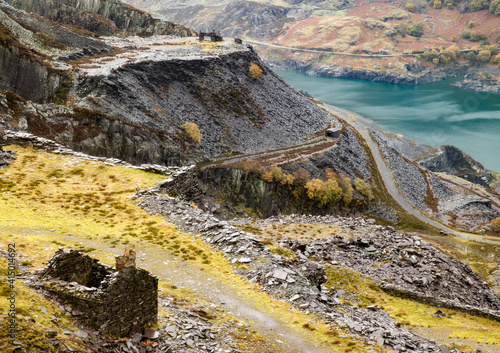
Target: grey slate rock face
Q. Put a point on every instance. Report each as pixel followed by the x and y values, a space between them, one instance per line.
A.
pixel 406 265
pixel 347 158
pixel 232 110
pixel 121 17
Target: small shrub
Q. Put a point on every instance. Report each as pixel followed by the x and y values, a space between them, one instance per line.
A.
pixel 477 5
pixel 192 130
pixel 267 176
pixel 495 225
pixel 401 29
pixel 471 24
pixel 324 192
pixel 476 36
pixel 255 71
pixel 251 166
pixel 287 179
pixel 363 188
pixel 491 48
pixel 308 326
pixel 410 7
pixel 277 173
pixel 466 35
pixel 484 56
pixel 495 7
pixel 302 176
pixel 416 30
pixel 471 56
pixel 438 4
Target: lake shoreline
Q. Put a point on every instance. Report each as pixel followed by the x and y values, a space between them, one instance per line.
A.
pixel 417 74
pixel 434 114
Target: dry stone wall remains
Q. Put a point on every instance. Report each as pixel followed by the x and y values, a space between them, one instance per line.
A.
pixel 112 301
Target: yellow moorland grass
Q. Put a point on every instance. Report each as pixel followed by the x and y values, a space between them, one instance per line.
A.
pixel 299 231
pixel 49 200
pixel 34 316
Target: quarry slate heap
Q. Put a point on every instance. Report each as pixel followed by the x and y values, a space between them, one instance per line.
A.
pixel 112 300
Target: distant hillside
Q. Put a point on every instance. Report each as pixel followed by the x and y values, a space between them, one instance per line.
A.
pixel 413 33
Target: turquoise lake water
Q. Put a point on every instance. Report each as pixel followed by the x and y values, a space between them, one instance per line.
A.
pixel 434 114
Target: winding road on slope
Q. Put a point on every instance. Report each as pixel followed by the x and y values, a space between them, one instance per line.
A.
pixel 388 178
pixel 326 51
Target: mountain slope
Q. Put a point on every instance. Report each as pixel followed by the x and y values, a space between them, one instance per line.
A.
pixel 365 31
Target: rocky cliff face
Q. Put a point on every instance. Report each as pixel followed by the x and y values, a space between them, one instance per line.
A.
pixel 452 160
pixel 26 46
pixel 409 77
pixel 484 80
pixel 93 132
pixel 444 159
pixel 105 17
pixel 147 88
pixel 25 72
pixel 25 75
pixel 454 203
pixel 234 19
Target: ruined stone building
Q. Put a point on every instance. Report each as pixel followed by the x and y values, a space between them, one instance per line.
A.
pixel 112 300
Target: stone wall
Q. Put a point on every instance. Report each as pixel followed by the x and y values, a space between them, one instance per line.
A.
pixel 6 157
pixel 111 300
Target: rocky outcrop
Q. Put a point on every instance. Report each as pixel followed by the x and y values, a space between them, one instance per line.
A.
pixel 453 161
pixel 484 80
pixel 235 19
pixel 52 33
pixel 29 140
pixel 444 159
pixel 404 265
pixel 452 203
pixel 6 157
pixel 104 17
pixel 234 111
pixel 409 78
pixel 95 133
pixel 23 70
pixel 233 191
pixel 26 46
pixel 26 76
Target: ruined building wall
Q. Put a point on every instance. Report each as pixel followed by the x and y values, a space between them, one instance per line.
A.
pixel 111 300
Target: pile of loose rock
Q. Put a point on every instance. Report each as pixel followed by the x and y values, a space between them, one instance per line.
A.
pixel 399 263
pixel 405 264
pixel 299 281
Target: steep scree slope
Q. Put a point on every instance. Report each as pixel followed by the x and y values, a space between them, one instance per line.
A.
pixel 233 110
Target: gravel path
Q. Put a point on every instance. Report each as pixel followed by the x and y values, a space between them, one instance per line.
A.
pixel 181 273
